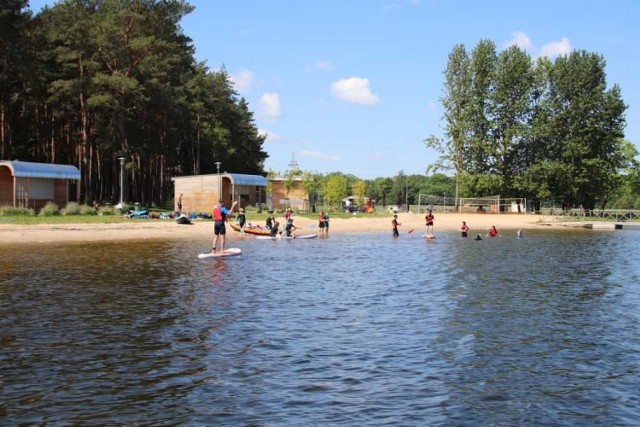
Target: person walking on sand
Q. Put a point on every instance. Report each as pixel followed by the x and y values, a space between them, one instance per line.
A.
pixel 492 232
pixel 429 222
pixel 394 226
pixel 464 229
pixel 220 213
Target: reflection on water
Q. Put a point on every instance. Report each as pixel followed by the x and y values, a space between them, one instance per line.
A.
pixel 348 330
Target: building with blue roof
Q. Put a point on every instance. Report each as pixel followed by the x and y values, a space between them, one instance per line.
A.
pixel 33 185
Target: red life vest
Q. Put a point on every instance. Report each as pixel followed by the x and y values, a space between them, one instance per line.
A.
pixel 217 214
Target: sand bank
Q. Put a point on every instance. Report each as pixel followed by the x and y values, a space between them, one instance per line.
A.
pixel 168 229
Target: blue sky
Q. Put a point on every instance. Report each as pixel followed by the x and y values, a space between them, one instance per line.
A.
pixel 354 85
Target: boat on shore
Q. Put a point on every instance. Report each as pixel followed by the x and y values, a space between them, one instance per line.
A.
pixel 256 230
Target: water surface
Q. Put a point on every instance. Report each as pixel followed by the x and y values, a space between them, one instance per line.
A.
pixel 357 329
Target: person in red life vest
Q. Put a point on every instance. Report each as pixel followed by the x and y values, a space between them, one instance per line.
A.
pixel 429 219
pixel 464 228
pixel 220 213
pixel 492 231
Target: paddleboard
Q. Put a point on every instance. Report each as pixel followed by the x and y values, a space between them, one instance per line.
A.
pixel 226 253
pixel 429 237
pixel 305 236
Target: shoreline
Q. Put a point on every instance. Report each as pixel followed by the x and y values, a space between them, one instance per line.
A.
pixel 169 229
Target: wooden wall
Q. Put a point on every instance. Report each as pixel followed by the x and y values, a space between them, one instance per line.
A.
pixel 199 193
pixel 299 199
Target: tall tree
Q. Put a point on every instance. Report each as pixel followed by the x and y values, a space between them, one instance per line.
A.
pixel 455 100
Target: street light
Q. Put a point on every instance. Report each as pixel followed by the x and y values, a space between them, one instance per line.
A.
pixel 219 181
pixel 121 159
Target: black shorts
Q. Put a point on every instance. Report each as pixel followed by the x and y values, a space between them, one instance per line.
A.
pixel 219 228
pixel 430 223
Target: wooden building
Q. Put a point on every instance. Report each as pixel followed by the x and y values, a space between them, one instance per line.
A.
pixel 296 198
pixel 200 193
pixel 33 185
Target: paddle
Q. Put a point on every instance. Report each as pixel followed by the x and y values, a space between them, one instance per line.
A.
pixel 411 231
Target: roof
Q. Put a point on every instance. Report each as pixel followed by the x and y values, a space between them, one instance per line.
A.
pixel 243 179
pixel 41 170
pixel 235 178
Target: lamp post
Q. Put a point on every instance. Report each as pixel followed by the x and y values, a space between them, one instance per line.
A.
pixel 121 159
pixel 219 181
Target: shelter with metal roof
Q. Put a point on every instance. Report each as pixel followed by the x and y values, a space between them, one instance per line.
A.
pixel 33 185
pixel 200 193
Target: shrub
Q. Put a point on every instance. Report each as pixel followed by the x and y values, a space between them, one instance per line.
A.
pixel 72 208
pixel 87 210
pixel 50 209
pixel 106 211
pixel 16 211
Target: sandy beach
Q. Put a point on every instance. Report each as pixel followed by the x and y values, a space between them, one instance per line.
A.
pixel 168 229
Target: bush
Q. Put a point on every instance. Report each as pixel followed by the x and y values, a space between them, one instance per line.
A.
pixel 87 210
pixel 72 208
pixel 106 211
pixel 16 211
pixel 50 209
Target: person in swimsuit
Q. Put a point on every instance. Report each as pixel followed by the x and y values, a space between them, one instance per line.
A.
pixel 326 224
pixel 492 231
pixel 394 226
pixel 321 223
pixel 274 229
pixel 270 222
pixel 464 228
pixel 242 219
pixel 289 227
pixel 429 220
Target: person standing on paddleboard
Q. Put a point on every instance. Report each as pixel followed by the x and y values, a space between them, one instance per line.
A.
pixel 220 213
pixel 429 222
pixel 464 228
pixel 394 225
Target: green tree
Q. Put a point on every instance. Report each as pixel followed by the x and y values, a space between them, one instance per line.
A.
pixel 453 148
pixel 335 189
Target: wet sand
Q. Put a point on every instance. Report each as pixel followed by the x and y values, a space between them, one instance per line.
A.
pixel 168 229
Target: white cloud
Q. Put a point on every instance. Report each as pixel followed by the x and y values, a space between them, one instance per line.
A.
pixel 521 40
pixel 319 155
pixel 557 48
pixel 355 90
pixel 270 105
pixel 376 156
pixel 270 136
pixel 242 81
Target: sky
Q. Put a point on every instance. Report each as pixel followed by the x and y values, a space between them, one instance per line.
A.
pixel 354 86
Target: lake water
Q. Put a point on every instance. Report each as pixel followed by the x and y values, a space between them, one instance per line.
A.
pixel 356 329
